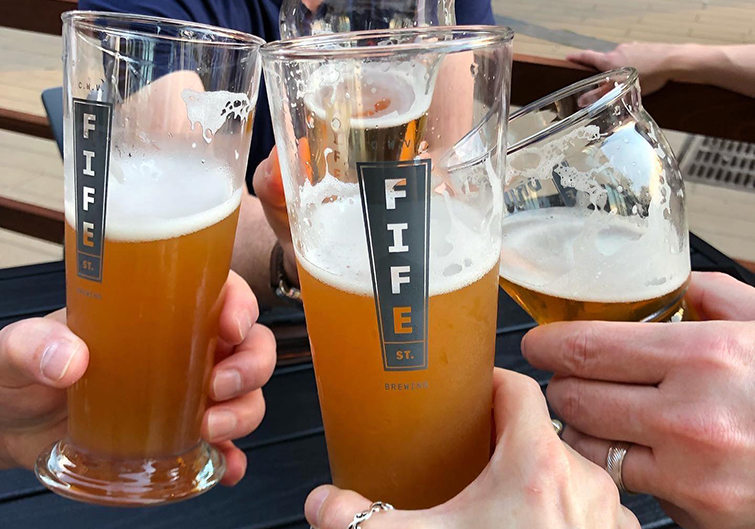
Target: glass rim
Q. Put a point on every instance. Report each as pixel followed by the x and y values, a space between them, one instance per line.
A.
pixel 89 20
pixel 626 76
pixel 314 47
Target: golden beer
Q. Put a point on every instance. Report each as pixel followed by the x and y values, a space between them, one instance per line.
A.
pixel 397 254
pixel 388 123
pixel 561 264
pixel 545 308
pixel 414 438
pixel 151 324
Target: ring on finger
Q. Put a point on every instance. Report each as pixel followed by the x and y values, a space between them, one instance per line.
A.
pixel 363 516
pixel 558 426
pixel 615 463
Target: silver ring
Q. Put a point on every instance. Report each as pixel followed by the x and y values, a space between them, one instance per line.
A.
pixel 366 515
pixel 558 426
pixel 615 461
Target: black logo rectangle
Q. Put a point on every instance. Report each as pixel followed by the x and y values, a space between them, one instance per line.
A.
pixel 92 122
pixel 396 206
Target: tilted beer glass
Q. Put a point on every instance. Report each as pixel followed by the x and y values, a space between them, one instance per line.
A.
pixel 595 224
pixel 398 258
pixel 158 117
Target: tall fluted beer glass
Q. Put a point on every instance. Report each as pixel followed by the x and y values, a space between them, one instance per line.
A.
pixel 595 224
pixel 158 117
pixel 398 259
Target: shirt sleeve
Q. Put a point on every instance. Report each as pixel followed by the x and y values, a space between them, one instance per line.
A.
pixel 474 12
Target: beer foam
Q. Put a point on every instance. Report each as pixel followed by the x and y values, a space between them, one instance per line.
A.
pixel 212 109
pixel 159 196
pixel 592 255
pixel 333 245
pixel 406 99
pixel 540 160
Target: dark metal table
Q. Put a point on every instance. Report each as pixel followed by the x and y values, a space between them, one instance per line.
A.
pixel 287 456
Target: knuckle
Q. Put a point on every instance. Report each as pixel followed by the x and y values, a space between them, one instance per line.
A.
pixel 13 343
pixel 531 387
pixel 578 347
pixel 729 351
pixel 552 470
pixel 569 399
pixel 711 428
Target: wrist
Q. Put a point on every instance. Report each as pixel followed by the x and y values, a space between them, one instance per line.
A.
pixel 280 280
pixel 694 63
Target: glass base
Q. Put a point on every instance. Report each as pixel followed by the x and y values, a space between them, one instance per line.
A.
pixel 129 483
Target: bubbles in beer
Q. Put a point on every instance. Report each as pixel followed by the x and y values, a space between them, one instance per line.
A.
pixel 591 256
pixel 153 196
pixel 334 249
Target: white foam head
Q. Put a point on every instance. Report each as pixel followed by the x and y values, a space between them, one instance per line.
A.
pixel 592 255
pixel 332 246
pixel 384 95
pixel 153 196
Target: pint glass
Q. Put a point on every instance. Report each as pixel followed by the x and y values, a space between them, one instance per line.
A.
pixel 300 18
pixel 595 225
pixel 158 118
pixel 398 259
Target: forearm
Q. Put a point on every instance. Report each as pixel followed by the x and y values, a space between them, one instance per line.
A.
pixel 729 67
pixel 252 248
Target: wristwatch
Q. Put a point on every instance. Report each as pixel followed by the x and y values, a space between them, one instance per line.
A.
pixel 279 281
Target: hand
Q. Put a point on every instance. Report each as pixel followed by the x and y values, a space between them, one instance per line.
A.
pixel 533 480
pixel 268 186
pixel 654 62
pixel 40 357
pixel 683 393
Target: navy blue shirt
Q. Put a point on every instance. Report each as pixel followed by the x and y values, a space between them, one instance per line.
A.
pixel 258 17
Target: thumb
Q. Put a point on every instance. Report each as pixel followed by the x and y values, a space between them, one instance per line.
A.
pixel 41 351
pixel 329 507
pixel 519 407
pixel 268 181
pixel 268 186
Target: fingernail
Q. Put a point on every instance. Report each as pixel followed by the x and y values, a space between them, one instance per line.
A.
pixel 227 384
pixel 269 166
pixel 56 359
pixel 314 504
pixel 220 425
pixel 244 323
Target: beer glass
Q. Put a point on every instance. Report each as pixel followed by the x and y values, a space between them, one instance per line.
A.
pixel 398 260
pixel 158 119
pixel 299 18
pixel 595 224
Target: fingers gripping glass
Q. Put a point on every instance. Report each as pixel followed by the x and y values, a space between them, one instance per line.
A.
pixel 157 117
pixel 398 258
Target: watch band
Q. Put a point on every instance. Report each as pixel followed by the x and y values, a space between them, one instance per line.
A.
pixel 279 279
